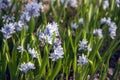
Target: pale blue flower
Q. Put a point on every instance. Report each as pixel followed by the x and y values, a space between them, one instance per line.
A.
pixel 25 17
pixel 33 8
pixel 57 54
pixel 73 3
pixel 82 60
pixel 98 32
pixel 18 25
pixel 81 21
pixel 74 25
pixel 84 45
pixel 4 4
pixel 118 3
pixel 32 52
pixel 20 48
pixel 25 67
pixel 8 30
pixel 105 4
pixel 8 19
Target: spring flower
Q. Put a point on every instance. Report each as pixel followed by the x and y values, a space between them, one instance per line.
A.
pixel 4 4
pixel 25 17
pixel 105 4
pixel 80 21
pixel 82 44
pixel 103 20
pixel 57 54
pixel 88 48
pixel 74 25
pixel 82 60
pixel 25 67
pixel 118 3
pixel 112 30
pixel 18 25
pixel 51 28
pixel 98 32
pixel 112 26
pixel 33 8
pixel 73 3
pixel 20 48
pixel 8 19
pixel 32 52
pixel 8 30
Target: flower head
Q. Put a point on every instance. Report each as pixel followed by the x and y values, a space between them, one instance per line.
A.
pixel 25 67
pixel 8 30
pixel 105 4
pixel 82 60
pixel 57 54
pixel 98 32
pixel 32 52
pixel 20 48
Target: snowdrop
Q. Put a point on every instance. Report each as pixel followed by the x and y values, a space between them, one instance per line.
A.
pixel 82 60
pixel 25 67
pixel 98 32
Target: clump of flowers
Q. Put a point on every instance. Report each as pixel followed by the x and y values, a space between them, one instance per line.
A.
pixel 8 30
pixel 98 32
pixel 84 45
pixel 31 9
pixel 82 60
pixel 112 26
pixel 105 4
pixel 25 67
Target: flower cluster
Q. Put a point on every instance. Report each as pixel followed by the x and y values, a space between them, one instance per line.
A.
pixel 57 54
pixel 82 60
pixel 25 67
pixel 51 31
pixel 32 52
pixel 105 4
pixel 83 45
pixel 4 4
pixel 8 30
pixel 112 26
pixel 31 9
pixel 48 34
pixel 98 32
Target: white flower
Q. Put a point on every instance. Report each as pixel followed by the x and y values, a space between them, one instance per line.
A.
pixel 57 54
pixel 103 20
pixel 98 32
pixel 82 44
pixel 73 3
pixel 105 4
pixel 24 67
pixel 32 52
pixel 82 60
pixel 88 48
pixel 20 48
pixel 118 3
pixel 74 25
pixel 80 21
